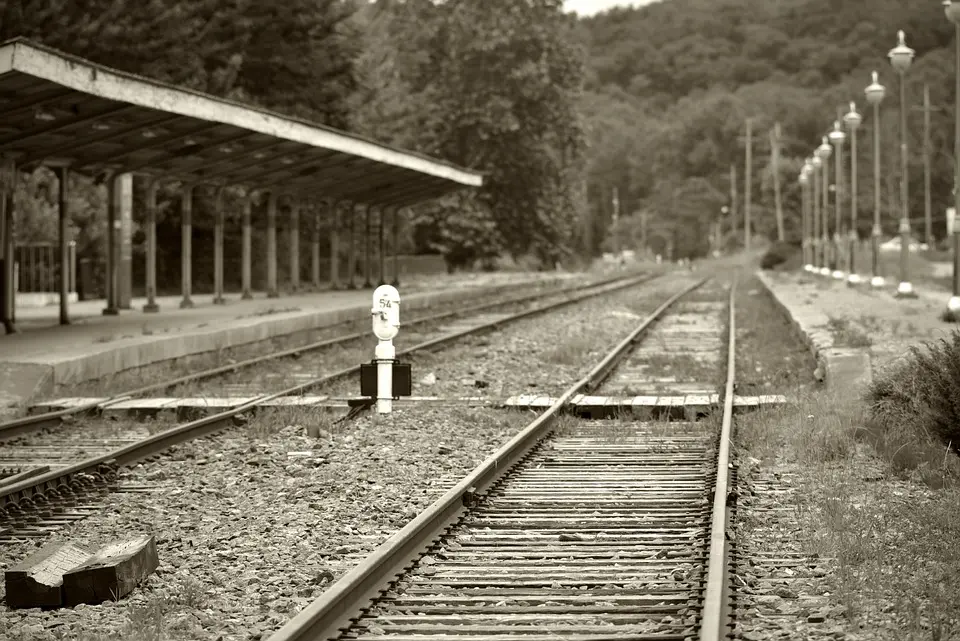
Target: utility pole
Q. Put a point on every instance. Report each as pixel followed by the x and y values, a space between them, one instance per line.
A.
pixel 927 109
pixel 733 200
pixel 643 230
pixel 748 179
pixel 775 160
pixel 927 205
pixel 616 217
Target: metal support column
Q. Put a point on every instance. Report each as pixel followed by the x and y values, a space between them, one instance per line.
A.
pixel 381 219
pixel 113 227
pixel 352 249
pixel 151 306
pixel 218 222
pixel 367 262
pixel 396 247
pixel 272 246
pixel 63 239
pixel 186 242
pixel 8 182
pixel 315 248
pixel 246 251
pixel 335 246
pixel 294 237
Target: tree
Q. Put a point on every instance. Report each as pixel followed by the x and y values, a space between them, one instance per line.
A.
pixel 507 83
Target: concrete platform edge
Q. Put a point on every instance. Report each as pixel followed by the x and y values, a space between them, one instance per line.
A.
pixel 840 367
pixel 241 332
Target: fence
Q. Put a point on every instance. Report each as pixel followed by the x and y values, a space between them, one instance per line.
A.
pixel 36 268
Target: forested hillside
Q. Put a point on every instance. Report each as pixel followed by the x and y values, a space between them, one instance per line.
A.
pixel 669 86
pixel 557 111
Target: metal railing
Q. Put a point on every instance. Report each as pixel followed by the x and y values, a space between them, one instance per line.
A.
pixel 36 268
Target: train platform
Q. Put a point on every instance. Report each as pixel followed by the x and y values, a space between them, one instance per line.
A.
pixel 44 354
pixel 854 332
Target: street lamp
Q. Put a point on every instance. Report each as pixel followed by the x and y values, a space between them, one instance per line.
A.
pixel 837 137
pixel 900 58
pixel 875 93
pixel 804 180
pixel 818 259
pixel 952 9
pixel 853 120
pixel 824 151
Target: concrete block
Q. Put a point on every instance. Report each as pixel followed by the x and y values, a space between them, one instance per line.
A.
pixel 37 581
pixel 20 382
pixel 847 369
pixel 112 573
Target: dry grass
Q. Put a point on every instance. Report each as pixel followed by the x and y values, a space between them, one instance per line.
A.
pixel 162 618
pixel 573 351
pixel 846 334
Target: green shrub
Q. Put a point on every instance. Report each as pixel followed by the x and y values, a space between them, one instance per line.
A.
pixel 918 397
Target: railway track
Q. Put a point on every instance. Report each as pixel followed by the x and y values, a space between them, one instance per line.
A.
pixel 480 314
pixel 83 455
pixel 585 529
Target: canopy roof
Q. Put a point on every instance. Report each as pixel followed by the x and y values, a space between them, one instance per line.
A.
pixel 59 109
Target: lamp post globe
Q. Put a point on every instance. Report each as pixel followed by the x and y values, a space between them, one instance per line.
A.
pixel 901 56
pixel 852 119
pixel 952 10
pixel 837 138
pixel 875 92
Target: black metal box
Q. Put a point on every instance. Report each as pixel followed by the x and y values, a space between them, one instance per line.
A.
pixel 402 380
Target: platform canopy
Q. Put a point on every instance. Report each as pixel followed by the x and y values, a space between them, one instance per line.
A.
pixel 57 109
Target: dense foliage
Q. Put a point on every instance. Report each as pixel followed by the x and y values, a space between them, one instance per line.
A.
pixel 679 78
pixel 558 112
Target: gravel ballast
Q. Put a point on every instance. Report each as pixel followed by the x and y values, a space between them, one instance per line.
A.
pixel 254 523
pixel 540 355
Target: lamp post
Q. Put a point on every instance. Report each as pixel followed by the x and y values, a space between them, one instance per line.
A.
pixel 875 93
pixel 818 258
pixel 837 137
pixel 952 9
pixel 804 235
pixel 853 120
pixel 824 151
pixel 900 58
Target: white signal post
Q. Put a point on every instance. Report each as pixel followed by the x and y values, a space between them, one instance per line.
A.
pixel 386 325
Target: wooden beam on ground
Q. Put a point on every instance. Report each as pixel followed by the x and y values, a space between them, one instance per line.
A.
pixel 37 581
pixel 112 573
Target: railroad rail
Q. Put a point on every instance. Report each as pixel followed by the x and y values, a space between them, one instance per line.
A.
pixel 31 423
pixel 26 503
pixel 588 530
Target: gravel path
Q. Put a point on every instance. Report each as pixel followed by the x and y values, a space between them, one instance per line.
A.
pixel 251 525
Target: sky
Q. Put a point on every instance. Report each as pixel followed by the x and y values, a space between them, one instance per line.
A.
pixel 590 7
